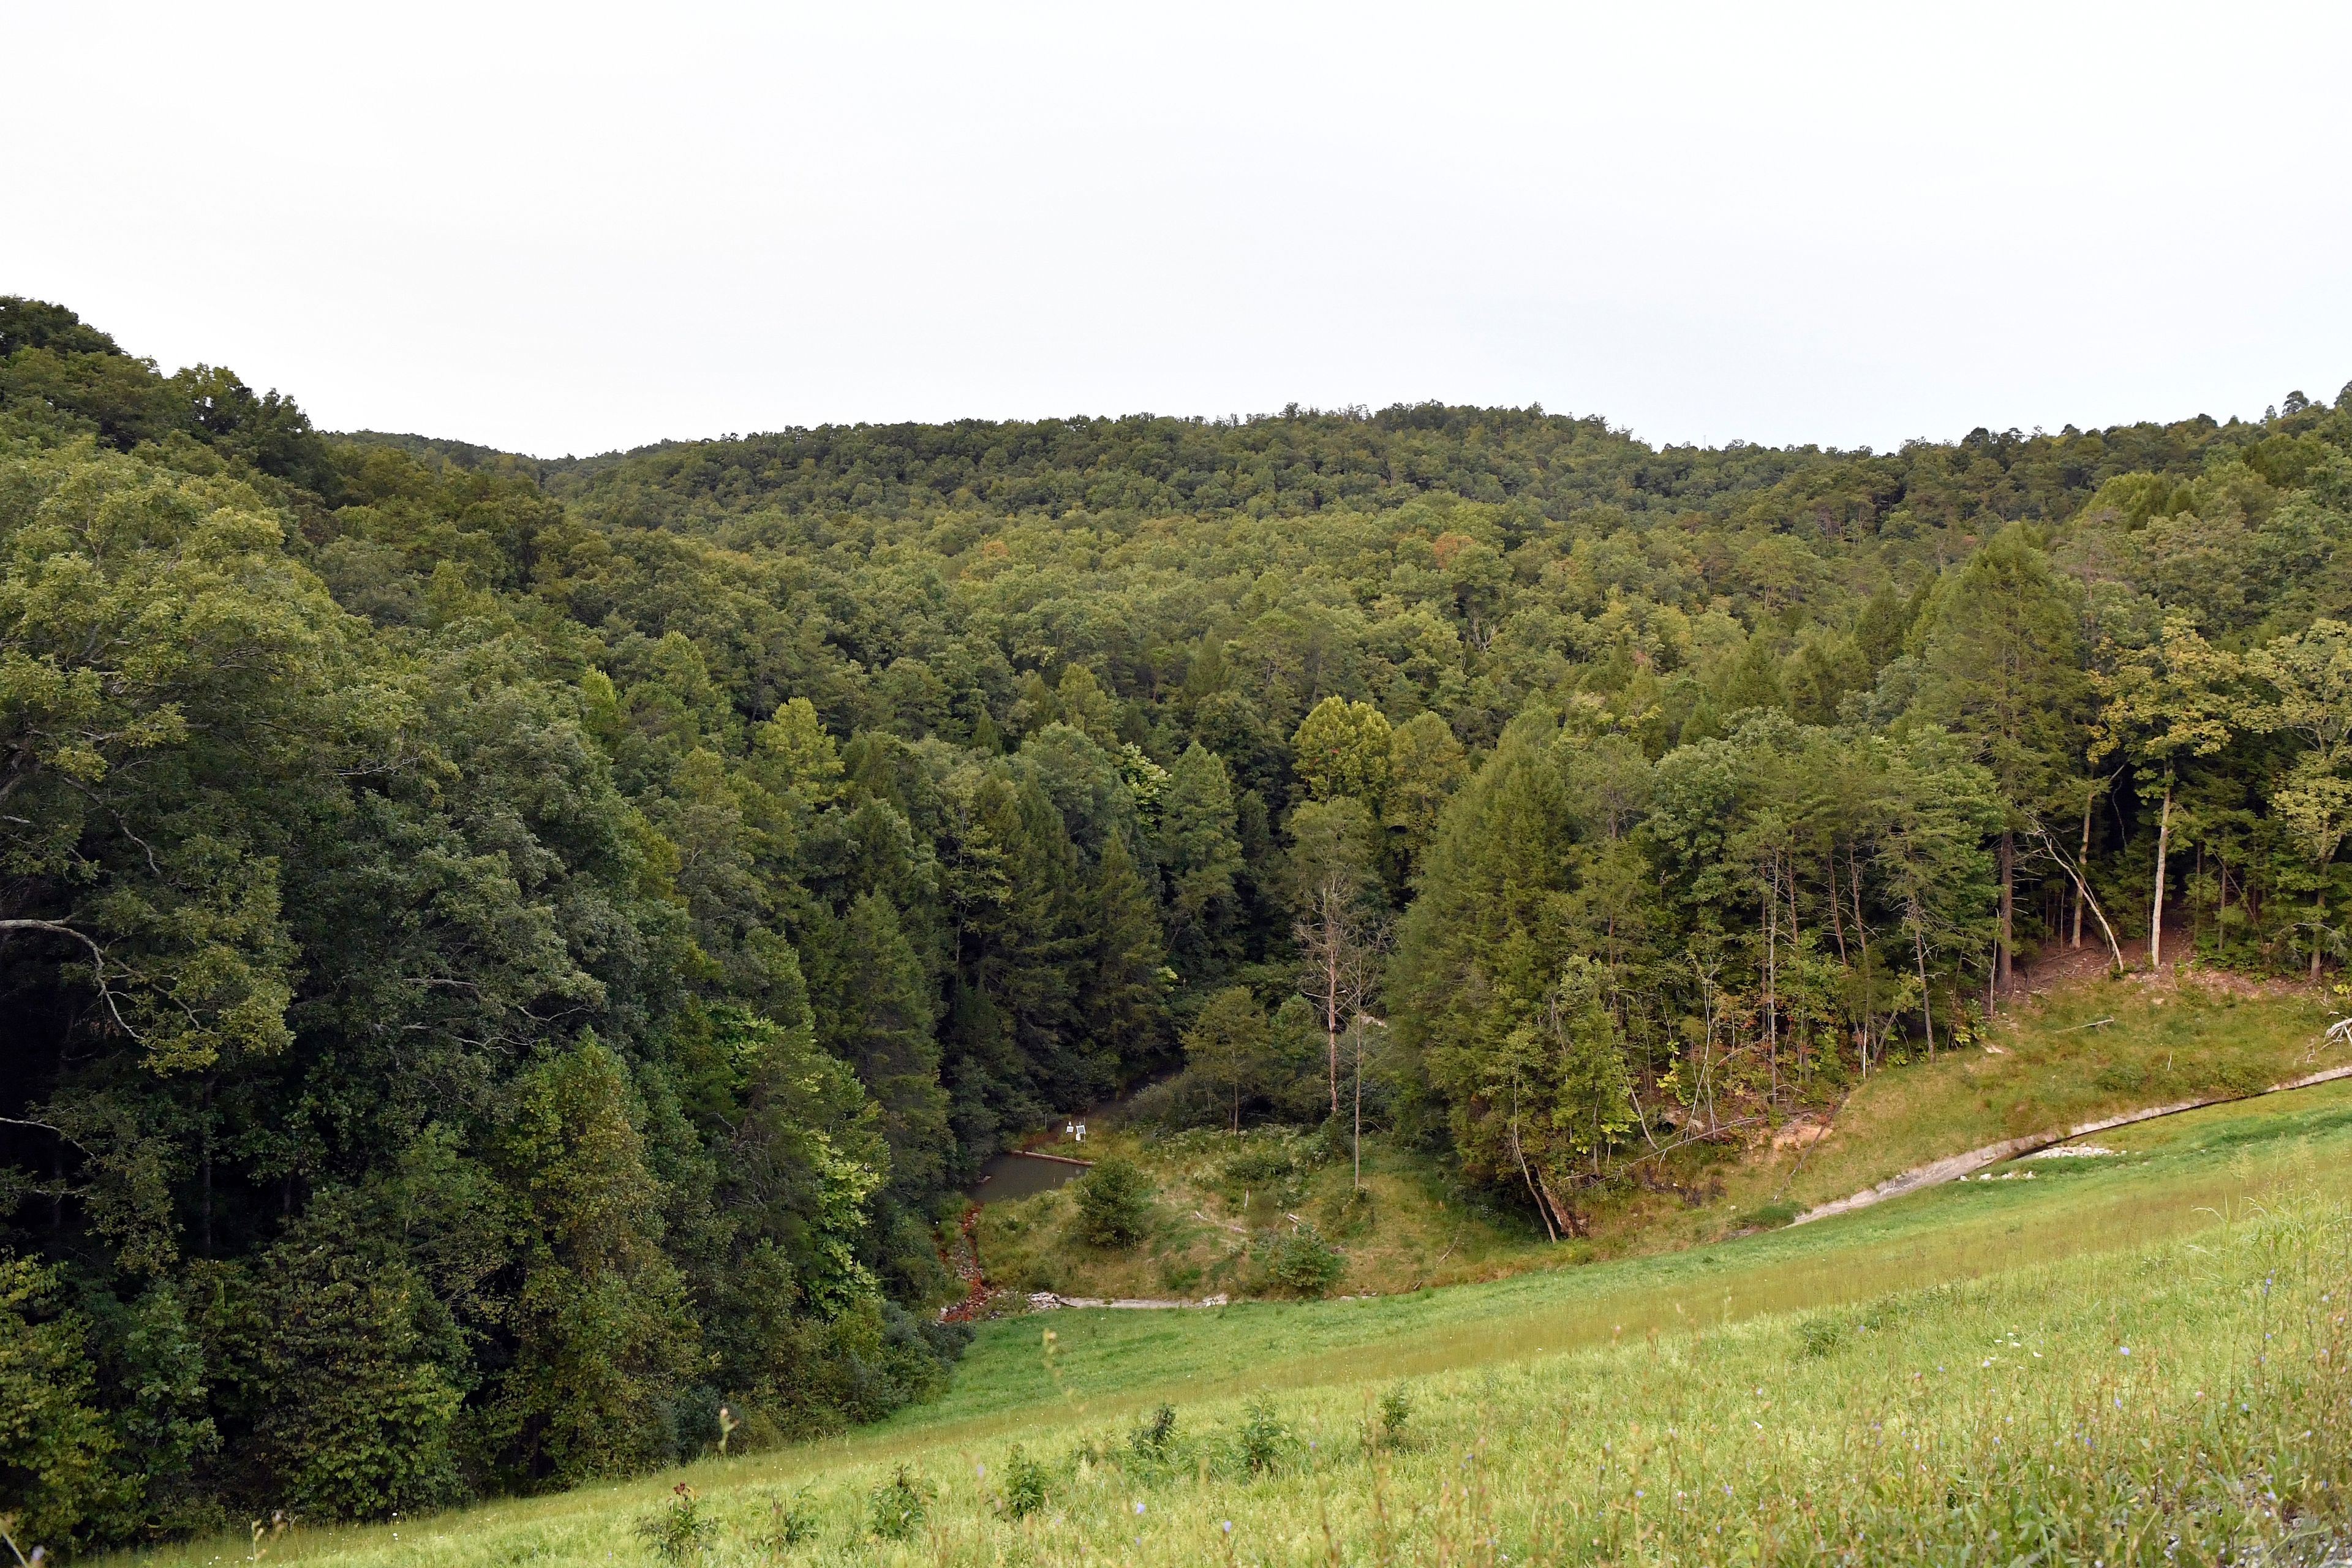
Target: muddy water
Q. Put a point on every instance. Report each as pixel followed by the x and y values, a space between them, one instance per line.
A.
pixel 1010 1176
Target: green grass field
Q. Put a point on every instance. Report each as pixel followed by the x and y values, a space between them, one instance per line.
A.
pixel 2087 1050
pixel 2133 1358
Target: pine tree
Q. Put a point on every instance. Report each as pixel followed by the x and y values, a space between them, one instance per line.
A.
pixel 1198 847
pixel 1342 749
pixel 1495 923
pixel 1121 1003
pixel 881 1002
pixel 2162 708
pixel 2001 669
pixel 1426 765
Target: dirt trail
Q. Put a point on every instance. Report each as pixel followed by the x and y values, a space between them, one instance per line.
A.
pixel 1954 1166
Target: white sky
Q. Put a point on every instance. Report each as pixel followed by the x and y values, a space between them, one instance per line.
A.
pixel 571 228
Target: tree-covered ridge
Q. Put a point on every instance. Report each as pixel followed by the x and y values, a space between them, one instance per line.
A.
pixel 504 955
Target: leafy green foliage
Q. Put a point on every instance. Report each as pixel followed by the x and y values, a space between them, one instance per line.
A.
pixel 1302 1263
pixel 682 1530
pixel 1264 1441
pixel 895 1509
pixel 791 1524
pixel 1395 1415
pixel 1157 1433
pixel 1024 1491
pixel 553 936
pixel 58 1475
pixel 1114 1203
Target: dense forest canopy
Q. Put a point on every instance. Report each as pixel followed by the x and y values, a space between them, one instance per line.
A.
pixel 501 956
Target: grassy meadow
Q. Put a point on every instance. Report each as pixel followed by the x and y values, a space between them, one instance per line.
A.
pixel 2137 1357
pixel 2087 1050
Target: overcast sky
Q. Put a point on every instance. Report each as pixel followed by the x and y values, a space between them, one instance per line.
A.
pixel 575 228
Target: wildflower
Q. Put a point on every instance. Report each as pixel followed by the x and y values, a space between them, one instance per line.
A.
pixel 1139 1508
pixel 2126 1350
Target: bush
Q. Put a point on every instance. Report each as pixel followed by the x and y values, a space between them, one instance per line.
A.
pixel 1155 1435
pixel 681 1531
pixel 898 1508
pixel 1821 1336
pixel 1024 1485
pixel 1114 1205
pixel 1396 1410
pixel 1304 1263
pixel 1262 1439
pixel 57 1475
pixel 790 1524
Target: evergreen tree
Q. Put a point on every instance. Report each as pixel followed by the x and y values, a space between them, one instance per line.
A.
pixel 1121 1011
pixel 1199 851
pixel 1493 925
pixel 2001 668
pixel 1342 749
pixel 2163 707
pixel 875 1012
pixel 1426 765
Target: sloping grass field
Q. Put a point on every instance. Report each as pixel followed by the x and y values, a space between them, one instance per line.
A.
pixel 2084 1051
pixel 2136 1357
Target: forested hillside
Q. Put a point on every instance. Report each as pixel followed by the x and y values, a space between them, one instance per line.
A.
pixel 500 956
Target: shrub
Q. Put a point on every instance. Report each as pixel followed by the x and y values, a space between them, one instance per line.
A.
pixel 1114 1205
pixel 1262 1439
pixel 1304 1263
pixel 681 1531
pixel 899 1505
pixel 790 1524
pixel 57 1475
pixel 1396 1410
pixel 1153 1436
pixel 1262 1163
pixel 1025 1485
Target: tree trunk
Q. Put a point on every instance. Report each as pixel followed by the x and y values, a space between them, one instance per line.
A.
pixel 1837 922
pixel 2156 916
pixel 2319 914
pixel 1358 1140
pixel 1772 975
pixel 1926 1011
pixel 2090 797
pixel 1571 1222
pixel 2000 958
pixel 1861 940
pixel 1331 1004
pixel 2221 912
pixel 1543 1208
